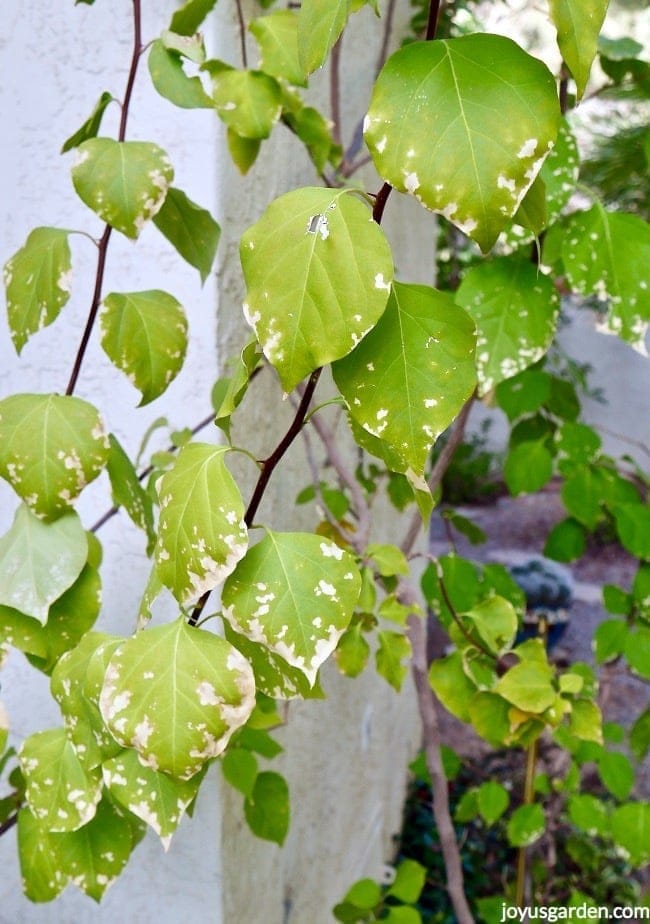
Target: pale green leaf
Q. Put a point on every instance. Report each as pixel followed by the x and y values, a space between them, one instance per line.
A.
pixel 201 534
pixel 578 24
pixel 274 676
pixel 410 877
pixel 40 561
pixel 560 171
pixel 585 721
pixel 394 648
pixel 51 447
pixel 436 129
pixel 320 24
pixel 267 810
pixel 249 102
pixel 90 128
pixel 155 797
pixel 95 855
pixel 352 652
pixel 190 229
pixel 40 864
pixel 37 282
pixel 227 394
pixel 176 694
pixel 127 490
pixel 515 310
pixel 59 791
pixel 124 182
pixel 145 335
pixel 318 271
pixel 388 559
pixel 191 47
pixel 423 348
pixel 151 592
pixel 451 685
pixel 187 19
pixel 277 35
pixel 528 686
pixel 495 620
pixel 243 151
pixel 171 81
pixel 607 254
pixel 526 825
pixel 293 593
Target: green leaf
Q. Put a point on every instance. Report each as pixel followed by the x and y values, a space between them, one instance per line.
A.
pixel 228 394
pixel 489 714
pixel 90 128
pixel 187 19
pixel 578 441
pixel 40 561
pixel 243 151
pixel 277 36
pixel 274 677
pixel 394 648
pixel 493 800
pixel 566 541
pixel 524 393
pixel 409 881
pixel 60 793
pixel 318 273
pixel 388 559
pixel 127 491
pixel 402 914
pixel 423 347
pixel 435 128
pixel 37 282
pixel 40 864
pixel 588 813
pixel 176 694
pixel 240 769
pixel 585 721
pixel 633 528
pixel 637 651
pixel 582 495
pixel 294 593
pixel 315 132
pixel 320 24
pixel 526 825
pixel 578 24
pixel 171 81
pixel 532 213
pixel 495 620
pixel 202 534
pixel 640 736
pixel 451 685
pixel 528 686
pixel 191 230
pixel 515 310
pixel 560 172
pixel 191 47
pixel 51 447
pixel 528 467
pixel 364 894
pixel 144 334
pixel 352 652
pixel 616 773
pixel 631 831
pixel 95 855
pixel 607 254
pixel 249 102
pixel 156 798
pixel 124 182
pixel 267 811
pixel 609 639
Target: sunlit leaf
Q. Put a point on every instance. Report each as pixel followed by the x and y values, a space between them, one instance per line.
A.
pixel 320 23
pixel 578 24
pixel 171 81
pixel 40 866
pixel 528 686
pixel 277 36
pixel 274 676
pixel 249 102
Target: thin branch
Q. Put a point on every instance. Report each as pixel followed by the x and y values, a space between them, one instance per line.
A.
pixel 105 238
pixel 335 91
pixel 242 33
pixel 432 22
pixel 454 615
pixel 380 202
pixel 8 824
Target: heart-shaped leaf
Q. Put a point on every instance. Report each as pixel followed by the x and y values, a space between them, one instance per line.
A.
pixel 171 81
pixel 40 561
pixel 124 182
pixel 37 281
pixel 435 128
pixel 515 310
pixel 318 272
pixel 201 534
pixel 51 447
pixel 176 694
pixel 249 102
pixel 277 36
pixel 40 867
pixel 423 347
pixel 320 23
pixel 293 593
pixel 145 335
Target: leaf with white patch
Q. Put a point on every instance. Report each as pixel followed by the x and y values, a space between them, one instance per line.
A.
pixel 40 866
pixel 277 36
pixel 127 490
pixel 37 282
pixel 171 81
pixel 320 24
pixel 40 561
pixel 515 310
pixel 578 24
pixel 176 694
pixel 124 182
pixel 190 229
pixel 154 797
pixel 144 334
pixel 435 128
pixel 608 254
pixel 318 271
pixel 274 677
pixel 295 594
pixel 202 534
pixel 248 102
pixel 422 347
pixel 58 789
pixel 51 447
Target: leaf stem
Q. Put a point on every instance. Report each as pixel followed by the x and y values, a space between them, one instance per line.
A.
pixel 335 91
pixel 8 823
pixel 380 202
pixel 432 22
pixel 242 33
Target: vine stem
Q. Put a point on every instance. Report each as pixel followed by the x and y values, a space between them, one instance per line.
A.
pixel 106 236
pixel 242 33
pixel 8 824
